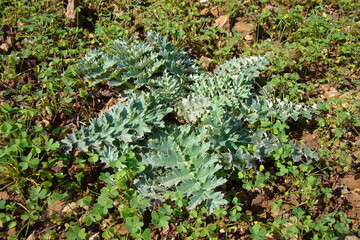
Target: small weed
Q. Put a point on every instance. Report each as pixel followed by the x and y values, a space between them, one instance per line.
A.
pixel 258 232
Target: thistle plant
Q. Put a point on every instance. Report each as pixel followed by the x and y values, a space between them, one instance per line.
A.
pixel 213 121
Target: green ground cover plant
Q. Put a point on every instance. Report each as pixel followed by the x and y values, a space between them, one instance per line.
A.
pixel 263 142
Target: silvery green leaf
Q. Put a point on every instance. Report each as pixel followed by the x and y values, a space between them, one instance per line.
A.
pixel 214 200
pixel 108 154
pixel 196 198
pixel 173 178
pixel 188 187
